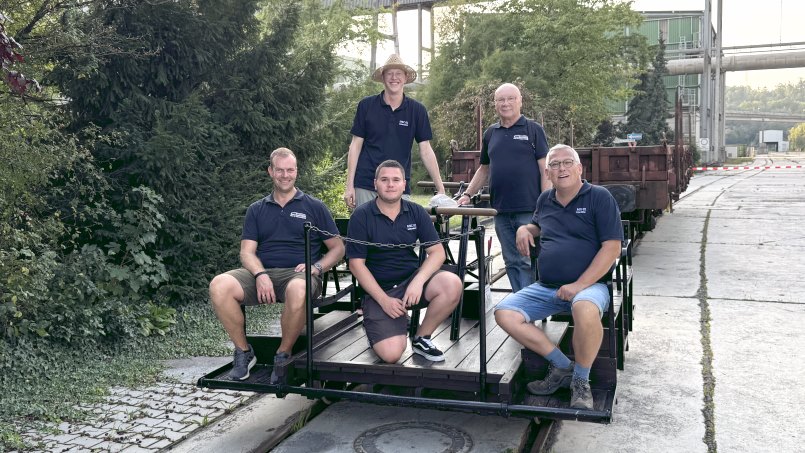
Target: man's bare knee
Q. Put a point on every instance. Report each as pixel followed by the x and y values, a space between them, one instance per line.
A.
pixel 223 288
pixel 508 317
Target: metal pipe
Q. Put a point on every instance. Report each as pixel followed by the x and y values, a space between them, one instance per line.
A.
pixel 479 244
pixel 308 306
pixel 501 408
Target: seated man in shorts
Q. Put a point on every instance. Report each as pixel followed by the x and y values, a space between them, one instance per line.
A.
pixel 392 278
pixel 580 233
pixel 272 251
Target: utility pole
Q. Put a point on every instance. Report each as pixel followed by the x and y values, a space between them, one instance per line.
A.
pixel 704 111
pixel 718 102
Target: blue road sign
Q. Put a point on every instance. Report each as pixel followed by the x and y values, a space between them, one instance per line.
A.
pixel 634 137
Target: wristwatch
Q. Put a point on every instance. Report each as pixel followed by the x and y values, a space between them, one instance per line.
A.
pixel 263 272
pixel 319 268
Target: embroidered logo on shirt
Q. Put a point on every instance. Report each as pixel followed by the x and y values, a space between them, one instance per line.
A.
pixel 410 226
pixel 581 210
pixel 299 215
pixel 403 123
pixel 520 137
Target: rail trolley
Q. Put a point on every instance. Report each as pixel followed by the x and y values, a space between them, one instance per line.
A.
pixel 485 370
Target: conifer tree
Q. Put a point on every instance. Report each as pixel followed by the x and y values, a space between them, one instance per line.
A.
pixel 648 110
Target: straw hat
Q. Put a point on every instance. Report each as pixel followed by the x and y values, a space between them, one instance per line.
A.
pixel 394 62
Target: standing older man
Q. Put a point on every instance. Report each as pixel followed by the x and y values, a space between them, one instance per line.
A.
pixel 580 232
pixel 385 127
pixel 513 160
pixel 272 251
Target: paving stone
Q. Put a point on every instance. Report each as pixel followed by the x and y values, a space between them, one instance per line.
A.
pixel 146 430
pixel 175 426
pixel 180 399
pixel 149 421
pixel 107 446
pixel 161 444
pixel 154 413
pixel 176 416
pixel 130 400
pixel 60 438
pixel 92 431
pixel 149 441
pixel 172 435
pixel 229 398
pixel 190 427
pixel 138 449
pixel 155 404
pixel 84 441
pixel 194 419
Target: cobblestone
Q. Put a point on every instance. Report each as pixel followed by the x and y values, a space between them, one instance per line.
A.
pixel 141 420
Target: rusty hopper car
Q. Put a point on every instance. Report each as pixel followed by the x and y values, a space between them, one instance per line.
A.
pixel 644 179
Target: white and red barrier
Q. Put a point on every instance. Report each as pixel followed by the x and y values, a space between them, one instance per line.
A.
pixel 764 167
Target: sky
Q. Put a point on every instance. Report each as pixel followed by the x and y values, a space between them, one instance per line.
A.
pixel 745 22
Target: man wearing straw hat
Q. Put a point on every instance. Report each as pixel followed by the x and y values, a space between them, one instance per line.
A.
pixel 385 127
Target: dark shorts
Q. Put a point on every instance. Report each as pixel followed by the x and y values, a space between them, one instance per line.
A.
pixel 279 278
pixel 378 324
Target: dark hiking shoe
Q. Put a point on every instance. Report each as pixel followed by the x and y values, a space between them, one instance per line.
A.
pixel 278 376
pixel 581 397
pixel 424 347
pixel 555 379
pixel 242 363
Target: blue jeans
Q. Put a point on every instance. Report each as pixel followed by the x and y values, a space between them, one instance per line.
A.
pixel 537 302
pixel 518 267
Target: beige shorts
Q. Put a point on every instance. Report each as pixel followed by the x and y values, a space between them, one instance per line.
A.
pixel 279 278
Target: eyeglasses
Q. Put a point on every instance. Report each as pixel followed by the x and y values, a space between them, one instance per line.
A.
pixel 510 100
pixel 567 163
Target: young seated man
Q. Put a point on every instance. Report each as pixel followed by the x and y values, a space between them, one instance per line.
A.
pixel 391 277
pixel 272 251
pixel 580 233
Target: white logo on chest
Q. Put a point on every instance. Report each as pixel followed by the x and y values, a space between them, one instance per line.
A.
pixel 520 137
pixel 403 123
pixel 410 226
pixel 299 215
pixel 581 210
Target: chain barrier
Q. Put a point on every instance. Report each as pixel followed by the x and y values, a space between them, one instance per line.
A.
pixel 394 246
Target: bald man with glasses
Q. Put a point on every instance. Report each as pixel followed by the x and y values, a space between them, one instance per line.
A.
pixel 512 160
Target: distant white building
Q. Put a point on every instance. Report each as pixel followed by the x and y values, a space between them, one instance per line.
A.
pixel 771 141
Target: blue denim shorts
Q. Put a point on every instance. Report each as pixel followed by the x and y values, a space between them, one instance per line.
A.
pixel 536 302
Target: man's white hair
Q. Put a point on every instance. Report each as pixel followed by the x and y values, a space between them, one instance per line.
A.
pixel 559 146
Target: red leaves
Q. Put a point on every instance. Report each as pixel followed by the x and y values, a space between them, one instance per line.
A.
pixel 9 55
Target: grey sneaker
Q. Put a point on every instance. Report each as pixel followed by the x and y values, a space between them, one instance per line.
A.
pixel 555 379
pixel 581 397
pixel 242 363
pixel 280 359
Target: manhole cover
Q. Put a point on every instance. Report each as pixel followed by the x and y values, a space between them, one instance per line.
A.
pixel 415 436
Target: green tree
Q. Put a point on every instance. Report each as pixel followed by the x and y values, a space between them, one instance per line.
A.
pixel 572 55
pixel 796 137
pixel 648 109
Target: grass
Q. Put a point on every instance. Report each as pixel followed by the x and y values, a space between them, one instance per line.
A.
pixel 66 379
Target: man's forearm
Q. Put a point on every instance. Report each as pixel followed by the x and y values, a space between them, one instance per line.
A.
pixel 602 263
pixel 251 262
pixel 431 165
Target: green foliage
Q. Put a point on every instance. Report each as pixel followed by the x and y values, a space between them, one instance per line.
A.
pixel 796 137
pixel 648 109
pixel 561 50
pixel 607 132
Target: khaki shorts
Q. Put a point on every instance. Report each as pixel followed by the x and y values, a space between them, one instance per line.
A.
pixel 378 324
pixel 364 196
pixel 279 278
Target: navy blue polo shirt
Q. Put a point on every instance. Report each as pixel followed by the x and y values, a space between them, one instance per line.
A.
pixel 389 266
pixel 279 231
pixel 570 236
pixel 514 176
pixel 387 135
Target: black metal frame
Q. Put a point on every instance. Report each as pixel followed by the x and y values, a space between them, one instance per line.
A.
pixel 313 387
